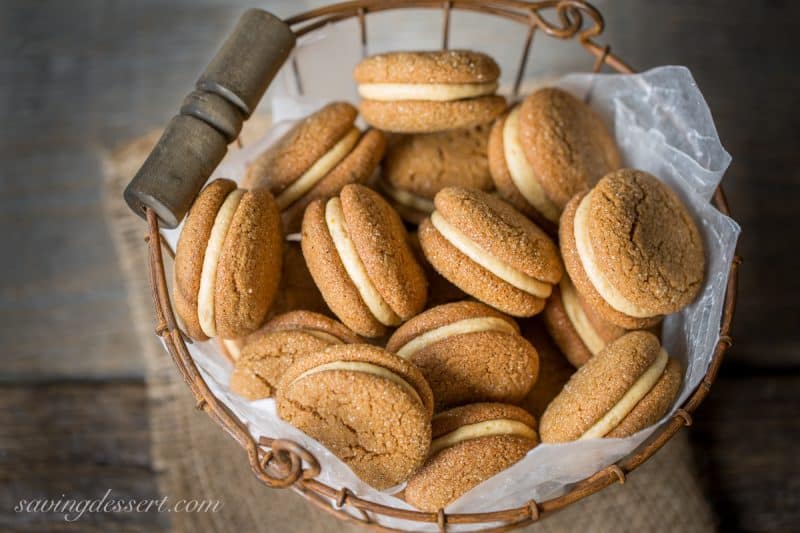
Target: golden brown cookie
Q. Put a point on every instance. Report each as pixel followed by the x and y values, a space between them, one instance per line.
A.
pixel 440 291
pixel 370 408
pixel 228 261
pixel 566 143
pixel 632 249
pixel 418 166
pixel 629 385
pixel 490 251
pixel 357 251
pixel 423 92
pixel 470 444
pixel 268 352
pixel 576 328
pixel 315 159
pixel 554 369
pixel 468 352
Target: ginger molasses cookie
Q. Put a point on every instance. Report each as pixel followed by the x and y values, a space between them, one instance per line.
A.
pixel 628 386
pixel 419 92
pixel 418 166
pixel 470 444
pixel 228 261
pixel 357 251
pixel 578 330
pixel 468 352
pixel 547 149
pixel 372 409
pixel 315 159
pixel 491 251
pixel 632 249
pixel 268 352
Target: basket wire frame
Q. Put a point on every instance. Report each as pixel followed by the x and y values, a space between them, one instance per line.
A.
pixel 281 463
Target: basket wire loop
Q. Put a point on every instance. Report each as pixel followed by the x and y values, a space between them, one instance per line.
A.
pixel 279 463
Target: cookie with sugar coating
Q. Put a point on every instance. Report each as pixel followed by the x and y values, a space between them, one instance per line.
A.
pixel 628 386
pixel 228 261
pixel 316 158
pixel 469 353
pixel 423 92
pixel 470 444
pixel 268 352
pixel 370 408
pixel 632 249
pixel 491 251
pixel 357 251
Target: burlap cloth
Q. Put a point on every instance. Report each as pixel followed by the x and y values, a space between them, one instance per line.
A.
pixel 194 458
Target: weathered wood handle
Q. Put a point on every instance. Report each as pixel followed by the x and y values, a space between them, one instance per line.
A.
pixel 195 141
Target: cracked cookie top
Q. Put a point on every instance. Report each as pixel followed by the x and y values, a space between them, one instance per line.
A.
pixel 645 241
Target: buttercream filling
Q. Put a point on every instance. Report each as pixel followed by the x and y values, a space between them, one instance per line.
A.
pixel 625 405
pixel 489 428
pixel 502 270
pixel 334 218
pixel 365 368
pixel 577 317
pixel 233 347
pixel 319 169
pixel 406 198
pixel 438 92
pixel 460 327
pixel 586 255
pixel 208 273
pixel 522 172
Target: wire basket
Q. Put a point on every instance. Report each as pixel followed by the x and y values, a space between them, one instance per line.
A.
pixel 281 463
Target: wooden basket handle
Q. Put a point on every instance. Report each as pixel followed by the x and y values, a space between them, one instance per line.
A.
pixel 195 141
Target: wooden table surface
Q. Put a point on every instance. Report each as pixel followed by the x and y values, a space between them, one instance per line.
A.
pixel 78 78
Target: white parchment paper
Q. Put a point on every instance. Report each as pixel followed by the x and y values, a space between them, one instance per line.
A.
pixel 662 125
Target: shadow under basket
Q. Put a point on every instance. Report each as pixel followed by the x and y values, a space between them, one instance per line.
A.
pixel 283 463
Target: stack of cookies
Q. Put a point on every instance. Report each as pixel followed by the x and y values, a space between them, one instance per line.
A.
pixel 402 331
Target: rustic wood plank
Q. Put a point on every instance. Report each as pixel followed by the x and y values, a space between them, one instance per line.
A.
pixel 75 441
pixel 745 438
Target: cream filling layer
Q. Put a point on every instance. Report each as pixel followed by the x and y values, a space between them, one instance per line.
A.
pixel 319 169
pixel 625 405
pixel 578 319
pixel 233 347
pixel 334 218
pixel 586 254
pixel 461 327
pixel 364 368
pixel 489 428
pixel 408 199
pixel 208 273
pixel 438 92
pixel 502 270
pixel 521 171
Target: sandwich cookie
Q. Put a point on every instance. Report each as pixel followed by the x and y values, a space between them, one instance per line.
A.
pixel 632 249
pixel 228 261
pixel 468 352
pixel 470 444
pixel 369 407
pixel 628 386
pixel 270 351
pixel 315 159
pixel 549 148
pixel 554 369
pixel 422 92
pixel 357 251
pixel 490 250
pixel 440 291
pixel 416 167
pixel 578 330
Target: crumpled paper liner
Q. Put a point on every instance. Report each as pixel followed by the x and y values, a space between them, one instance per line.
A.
pixel 662 125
